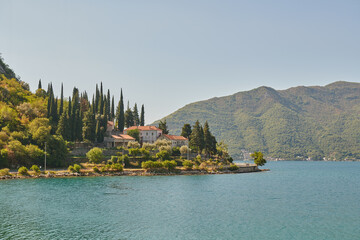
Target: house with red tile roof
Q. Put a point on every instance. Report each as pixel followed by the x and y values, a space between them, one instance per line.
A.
pixel 148 134
pixel 118 140
pixel 176 141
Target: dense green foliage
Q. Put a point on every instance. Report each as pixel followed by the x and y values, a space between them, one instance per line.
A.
pixel 95 155
pixel 28 120
pixel 258 158
pixel 297 123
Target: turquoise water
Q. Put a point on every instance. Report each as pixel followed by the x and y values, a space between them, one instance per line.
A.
pixel 295 200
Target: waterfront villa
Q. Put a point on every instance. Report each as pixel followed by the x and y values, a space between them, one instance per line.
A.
pixel 176 141
pixel 118 140
pixel 148 134
pixel 115 138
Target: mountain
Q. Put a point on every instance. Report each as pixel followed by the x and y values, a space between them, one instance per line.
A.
pixel 300 122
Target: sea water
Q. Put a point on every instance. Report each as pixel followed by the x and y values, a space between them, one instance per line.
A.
pixel 295 200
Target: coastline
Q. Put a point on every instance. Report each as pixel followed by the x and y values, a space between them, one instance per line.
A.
pixel 133 172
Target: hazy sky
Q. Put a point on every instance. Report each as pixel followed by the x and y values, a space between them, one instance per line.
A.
pixel 166 54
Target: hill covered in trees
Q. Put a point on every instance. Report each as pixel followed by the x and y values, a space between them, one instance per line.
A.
pixel 29 120
pixel 297 123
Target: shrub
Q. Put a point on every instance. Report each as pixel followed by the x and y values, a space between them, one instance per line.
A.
pixel 145 153
pixel 198 157
pixel 23 171
pixel 96 170
pixel 165 148
pixel 233 167
pixel 125 159
pixel 163 155
pixel 169 165
pixel 176 151
pixel 147 164
pixel 133 144
pixel 95 155
pixel 114 159
pixel 120 148
pixel 134 151
pixel 149 146
pixel 77 168
pixel 5 172
pixel 71 169
pixel 188 164
pixel 151 165
pixel 117 167
pixel 203 166
pixel 107 167
pixel 35 168
pixel 184 149
pixel 103 169
pixel 162 142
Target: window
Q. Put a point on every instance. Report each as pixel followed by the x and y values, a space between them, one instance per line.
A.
pixel 146 134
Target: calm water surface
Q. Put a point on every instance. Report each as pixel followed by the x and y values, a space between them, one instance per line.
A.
pixel 295 200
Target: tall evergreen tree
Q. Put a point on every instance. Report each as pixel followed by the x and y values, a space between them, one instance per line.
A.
pixel 108 105
pixel 142 116
pixel 197 137
pixel 186 131
pixel 208 139
pixel 163 127
pixel 112 109
pixel 63 128
pixel 61 100
pixel 75 126
pixel 97 99
pixel 89 126
pixel 39 85
pixel 120 115
pixel 101 99
pixel 69 108
pixel 128 116
pixel 136 115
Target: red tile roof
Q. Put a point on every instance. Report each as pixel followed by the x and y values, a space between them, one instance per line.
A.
pixel 123 136
pixel 144 128
pixel 174 137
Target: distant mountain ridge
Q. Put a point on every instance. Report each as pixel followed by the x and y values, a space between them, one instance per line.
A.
pixel 300 122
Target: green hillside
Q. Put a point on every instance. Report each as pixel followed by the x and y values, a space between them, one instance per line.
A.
pixel 299 122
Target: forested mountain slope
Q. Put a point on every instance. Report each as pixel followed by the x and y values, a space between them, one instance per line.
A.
pixel 299 122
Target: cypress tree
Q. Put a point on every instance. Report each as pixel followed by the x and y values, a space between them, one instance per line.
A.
pixel 75 115
pixel 39 85
pixel 97 99
pixel 208 138
pixel 62 128
pixel 129 119
pixel 120 115
pixel 89 126
pixel 69 108
pixel 108 105
pixel 136 116
pixel 163 127
pixel 101 99
pixel 197 137
pixel 93 106
pixel 61 100
pixel 112 109
pixel 142 116
pixel 186 131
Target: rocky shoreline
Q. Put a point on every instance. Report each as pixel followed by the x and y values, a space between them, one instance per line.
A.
pixel 132 172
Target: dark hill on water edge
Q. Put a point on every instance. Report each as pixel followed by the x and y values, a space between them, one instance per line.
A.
pixel 297 123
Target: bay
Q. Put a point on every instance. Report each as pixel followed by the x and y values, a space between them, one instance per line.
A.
pixel 295 200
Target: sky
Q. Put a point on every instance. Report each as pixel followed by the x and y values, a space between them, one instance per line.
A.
pixel 166 54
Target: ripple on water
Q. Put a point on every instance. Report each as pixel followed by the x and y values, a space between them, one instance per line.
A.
pixel 292 201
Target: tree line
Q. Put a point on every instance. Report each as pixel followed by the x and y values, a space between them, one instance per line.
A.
pixel 79 119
